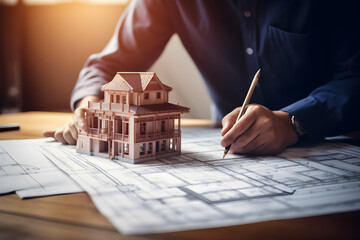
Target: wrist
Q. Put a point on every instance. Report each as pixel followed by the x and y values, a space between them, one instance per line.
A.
pixel 290 135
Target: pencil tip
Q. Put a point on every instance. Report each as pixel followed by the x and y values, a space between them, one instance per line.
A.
pixel 226 150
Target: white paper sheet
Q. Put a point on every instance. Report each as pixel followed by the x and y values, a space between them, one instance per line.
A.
pixel 199 189
pixel 25 170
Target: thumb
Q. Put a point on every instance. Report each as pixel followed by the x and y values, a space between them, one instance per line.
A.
pixel 49 133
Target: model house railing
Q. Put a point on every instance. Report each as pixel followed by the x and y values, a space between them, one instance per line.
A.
pixel 116 107
pixel 121 137
pixel 157 135
pixel 94 131
pixel 103 134
pixel 94 105
pixel 105 106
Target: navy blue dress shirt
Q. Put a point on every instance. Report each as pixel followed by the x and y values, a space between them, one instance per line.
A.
pixel 308 52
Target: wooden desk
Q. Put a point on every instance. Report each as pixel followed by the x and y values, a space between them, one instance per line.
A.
pixel 74 216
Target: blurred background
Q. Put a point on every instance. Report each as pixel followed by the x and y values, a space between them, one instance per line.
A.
pixel 44 44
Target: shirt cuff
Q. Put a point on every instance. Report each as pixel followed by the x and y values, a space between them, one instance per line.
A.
pixel 313 117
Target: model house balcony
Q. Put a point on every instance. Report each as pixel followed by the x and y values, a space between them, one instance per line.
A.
pixel 94 132
pixel 158 135
pixel 106 106
pixel 104 134
pixel 117 107
pixel 94 105
pixel 121 137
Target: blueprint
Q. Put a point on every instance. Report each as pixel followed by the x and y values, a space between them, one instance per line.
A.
pixel 25 170
pixel 199 189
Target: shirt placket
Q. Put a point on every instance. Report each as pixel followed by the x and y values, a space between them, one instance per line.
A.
pixel 248 12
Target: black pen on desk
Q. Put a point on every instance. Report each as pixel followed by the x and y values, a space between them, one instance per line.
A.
pixel 246 102
pixel 9 127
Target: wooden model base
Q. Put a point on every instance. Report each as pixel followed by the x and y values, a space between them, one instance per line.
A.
pixel 128 160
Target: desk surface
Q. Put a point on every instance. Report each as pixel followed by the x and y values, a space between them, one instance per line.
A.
pixel 74 216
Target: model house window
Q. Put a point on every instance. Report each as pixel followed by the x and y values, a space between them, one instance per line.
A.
pixel 111 98
pixel 95 122
pixel 157 146
pixel 142 149
pixel 163 145
pixel 119 148
pixel 103 145
pixel 119 125
pixel 158 95
pixel 149 148
pixel 126 148
pixel 162 126
pixel 117 98
pixel 146 96
pixel 126 129
pixel 124 99
pixel 142 128
pixel 171 143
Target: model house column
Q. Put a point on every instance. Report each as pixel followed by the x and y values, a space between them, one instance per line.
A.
pixel 131 137
pixel 128 101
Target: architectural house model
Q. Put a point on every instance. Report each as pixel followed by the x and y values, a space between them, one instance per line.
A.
pixel 134 122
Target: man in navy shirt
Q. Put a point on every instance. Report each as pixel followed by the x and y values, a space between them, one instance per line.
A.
pixel 308 52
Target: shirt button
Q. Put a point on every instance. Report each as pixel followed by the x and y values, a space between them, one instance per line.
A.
pixel 247 14
pixel 249 51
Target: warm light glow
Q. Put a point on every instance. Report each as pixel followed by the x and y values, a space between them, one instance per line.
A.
pixel 47 2
pixel 8 2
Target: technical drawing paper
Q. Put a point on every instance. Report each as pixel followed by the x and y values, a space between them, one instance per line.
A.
pixel 199 189
pixel 25 170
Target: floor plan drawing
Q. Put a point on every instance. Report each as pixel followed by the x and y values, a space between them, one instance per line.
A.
pixel 29 173
pixel 199 189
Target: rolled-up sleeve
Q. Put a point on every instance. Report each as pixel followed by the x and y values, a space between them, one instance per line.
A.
pixel 139 38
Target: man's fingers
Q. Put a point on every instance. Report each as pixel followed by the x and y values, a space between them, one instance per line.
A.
pixel 73 130
pixel 59 136
pixel 247 141
pixel 49 133
pixel 68 137
pixel 229 120
pixel 239 128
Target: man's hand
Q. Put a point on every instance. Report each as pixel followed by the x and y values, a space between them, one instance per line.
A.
pixel 259 131
pixel 68 134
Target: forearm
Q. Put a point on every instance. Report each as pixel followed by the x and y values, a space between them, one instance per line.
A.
pixel 139 38
pixel 330 110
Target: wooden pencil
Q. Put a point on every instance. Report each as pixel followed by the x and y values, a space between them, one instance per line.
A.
pixel 246 102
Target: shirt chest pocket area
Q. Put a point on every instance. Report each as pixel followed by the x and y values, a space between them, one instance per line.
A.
pixel 293 51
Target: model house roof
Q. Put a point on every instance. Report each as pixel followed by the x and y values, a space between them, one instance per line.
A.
pixel 158 108
pixel 135 81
